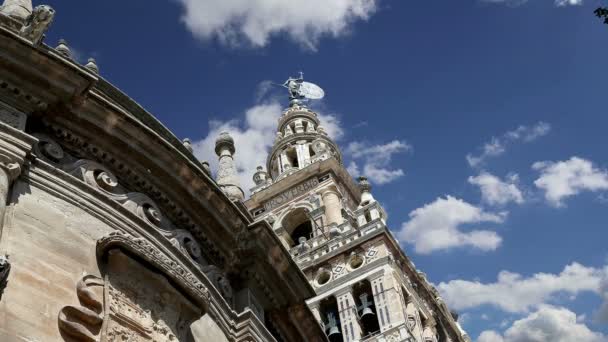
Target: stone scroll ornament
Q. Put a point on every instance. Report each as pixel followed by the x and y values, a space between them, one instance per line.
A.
pixel 83 323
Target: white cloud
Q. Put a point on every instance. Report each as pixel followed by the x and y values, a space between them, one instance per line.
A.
pixel 498 146
pixel 495 191
pixel 490 336
pixel 437 226
pixel 375 160
pixel 517 294
pixel 254 22
pixel 602 313
pixel 515 3
pixel 567 178
pixel 561 3
pixel 548 323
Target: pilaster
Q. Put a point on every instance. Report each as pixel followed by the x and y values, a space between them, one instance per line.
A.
pixel 351 331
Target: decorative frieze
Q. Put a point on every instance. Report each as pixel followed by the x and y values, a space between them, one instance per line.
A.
pixel 291 193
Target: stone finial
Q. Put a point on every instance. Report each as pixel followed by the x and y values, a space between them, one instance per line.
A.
pixel 92 66
pixel 17 9
pixel 63 48
pixel 188 145
pixel 224 142
pixel 227 176
pixel 206 167
pixel 260 177
pixel 366 195
pixel 364 184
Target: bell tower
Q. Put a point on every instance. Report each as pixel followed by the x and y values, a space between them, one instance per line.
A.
pixel 367 289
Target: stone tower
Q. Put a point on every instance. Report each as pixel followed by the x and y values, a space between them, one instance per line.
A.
pixel 367 289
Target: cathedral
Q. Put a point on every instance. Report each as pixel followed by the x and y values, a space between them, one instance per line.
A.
pixel 112 230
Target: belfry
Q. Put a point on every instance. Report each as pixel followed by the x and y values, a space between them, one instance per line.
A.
pixel 366 288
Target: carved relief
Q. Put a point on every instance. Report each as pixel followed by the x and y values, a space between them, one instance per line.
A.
pixel 12 117
pixel 5 269
pixel 143 305
pixel 83 323
pixel 149 253
pixel 220 281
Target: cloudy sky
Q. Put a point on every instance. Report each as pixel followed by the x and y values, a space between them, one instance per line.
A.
pixel 482 124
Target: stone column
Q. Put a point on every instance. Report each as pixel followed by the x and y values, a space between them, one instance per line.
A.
pixel 333 207
pixel 303 154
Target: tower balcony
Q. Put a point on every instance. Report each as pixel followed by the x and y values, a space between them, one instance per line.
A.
pixel 325 245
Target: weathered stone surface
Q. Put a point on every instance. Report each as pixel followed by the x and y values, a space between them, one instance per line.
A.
pixel 205 329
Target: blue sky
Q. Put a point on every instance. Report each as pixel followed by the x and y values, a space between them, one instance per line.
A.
pixel 413 88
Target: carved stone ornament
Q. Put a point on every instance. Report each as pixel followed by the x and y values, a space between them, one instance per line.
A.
pixel 5 269
pixel 319 146
pixel 220 281
pixel 411 322
pixel 37 24
pixel 143 305
pixel 101 178
pixel 13 170
pixel 83 323
pixel 149 253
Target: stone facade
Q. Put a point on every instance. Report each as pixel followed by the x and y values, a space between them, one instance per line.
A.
pixel 366 288
pixel 110 229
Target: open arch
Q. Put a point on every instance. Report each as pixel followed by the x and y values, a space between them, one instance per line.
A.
pixel 366 308
pixel 298 225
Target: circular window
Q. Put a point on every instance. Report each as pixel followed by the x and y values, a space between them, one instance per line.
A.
pixel 356 261
pixel 323 277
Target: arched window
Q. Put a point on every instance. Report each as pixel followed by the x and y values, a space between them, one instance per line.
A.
pixel 292 157
pixel 298 225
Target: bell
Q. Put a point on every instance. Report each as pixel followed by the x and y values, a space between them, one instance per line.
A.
pixel 366 312
pixel 334 333
pixel 366 307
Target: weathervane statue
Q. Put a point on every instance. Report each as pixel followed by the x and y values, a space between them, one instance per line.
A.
pixel 300 91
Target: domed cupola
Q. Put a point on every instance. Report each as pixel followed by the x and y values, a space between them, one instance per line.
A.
pixel 301 140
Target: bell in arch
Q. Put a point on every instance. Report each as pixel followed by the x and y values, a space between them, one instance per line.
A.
pixel 365 310
pixel 333 332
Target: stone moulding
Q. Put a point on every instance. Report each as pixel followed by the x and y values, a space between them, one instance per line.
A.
pixel 100 178
pixel 241 327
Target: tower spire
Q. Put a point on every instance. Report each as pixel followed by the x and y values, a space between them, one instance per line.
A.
pixel 18 9
pixel 227 177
